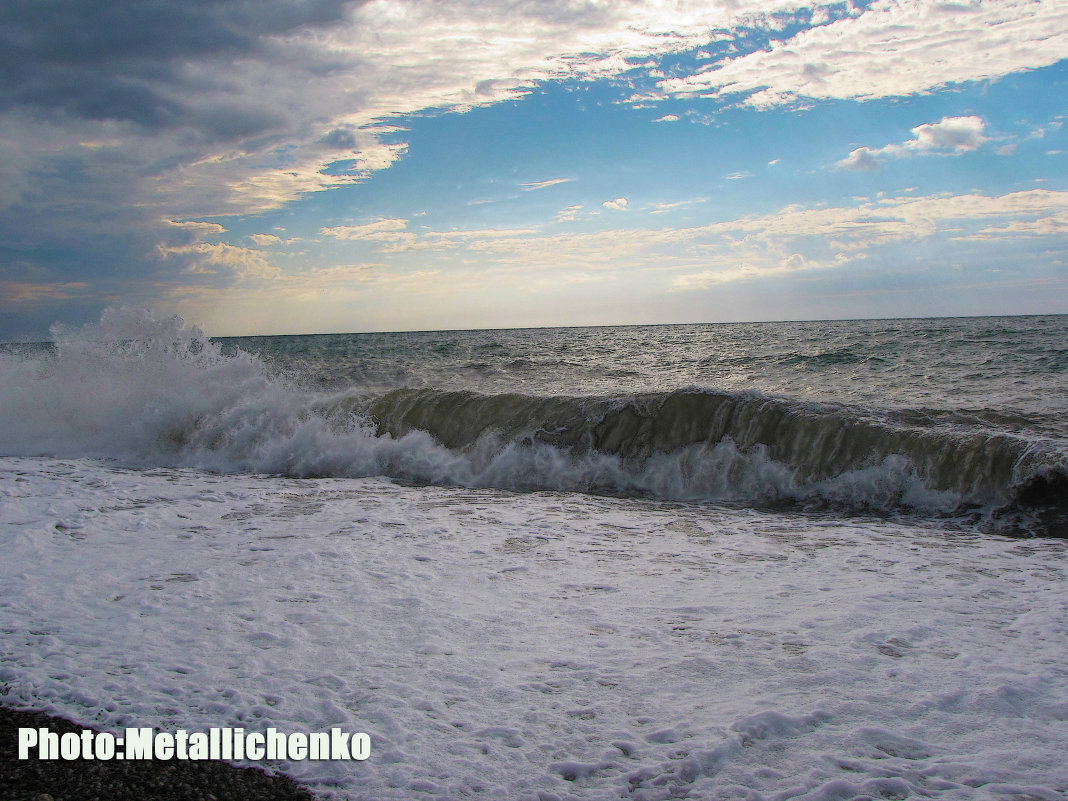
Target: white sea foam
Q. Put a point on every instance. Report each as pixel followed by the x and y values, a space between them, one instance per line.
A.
pixel 538 646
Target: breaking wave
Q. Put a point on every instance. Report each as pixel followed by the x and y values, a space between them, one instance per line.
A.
pixel 156 393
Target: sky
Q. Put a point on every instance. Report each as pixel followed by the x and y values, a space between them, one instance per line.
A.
pixel 300 166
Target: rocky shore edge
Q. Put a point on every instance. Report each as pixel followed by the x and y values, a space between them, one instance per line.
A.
pixel 147 780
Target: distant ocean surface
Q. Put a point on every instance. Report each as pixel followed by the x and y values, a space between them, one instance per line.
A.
pixel 771 560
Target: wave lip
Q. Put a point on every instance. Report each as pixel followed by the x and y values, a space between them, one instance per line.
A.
pixel 814 443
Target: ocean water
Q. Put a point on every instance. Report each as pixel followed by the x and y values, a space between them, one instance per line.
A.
pixel 814 560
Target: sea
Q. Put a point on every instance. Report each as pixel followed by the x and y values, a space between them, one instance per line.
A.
pixel 787 560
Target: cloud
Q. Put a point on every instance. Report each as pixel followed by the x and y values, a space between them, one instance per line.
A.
pixel 448 240
pixel 894 48
pixel 393 238
pixel 958 134
pixel 385 229
pixel 138 67
pixel 330 277
pixel 664 208
pixel 666 262
pixel 569 213
pixel 863 159
pixel 30 292
pixel 763 266
pixel 265 240
pixel 199 228
pixel 799 239
pixel 619 204
pixel 341 138
pixel 543 184
pixel 240 263
pixel 667 118
pixel 483 233
pixel 795 238
pixel 951 136
pixel 892 219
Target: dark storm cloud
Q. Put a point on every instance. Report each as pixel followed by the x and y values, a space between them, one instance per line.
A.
pixel 340 137
pixel 127 60
pixel 99 102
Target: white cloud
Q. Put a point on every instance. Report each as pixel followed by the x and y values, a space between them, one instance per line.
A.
pixel 329 277
pixel 863 159
pixel 892 49
pixel 763 266
pixel 482 233
pixel 543 184
pixel 667 118
pixel 797 239
pixel 385 229
pixel 199 228
pixel 511 263
pixel 890 219
pixel 265 240
pixel 389 236
pixel 619 204
pixel 244 263
pixel 569 213
pixel 958 134
pixel 664 208
pixel 790 240
pixel 953 135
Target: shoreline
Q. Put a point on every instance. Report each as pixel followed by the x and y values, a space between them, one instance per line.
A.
pixel 146 780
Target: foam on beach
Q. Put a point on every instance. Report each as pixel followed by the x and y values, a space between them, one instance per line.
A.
pixel 538 645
